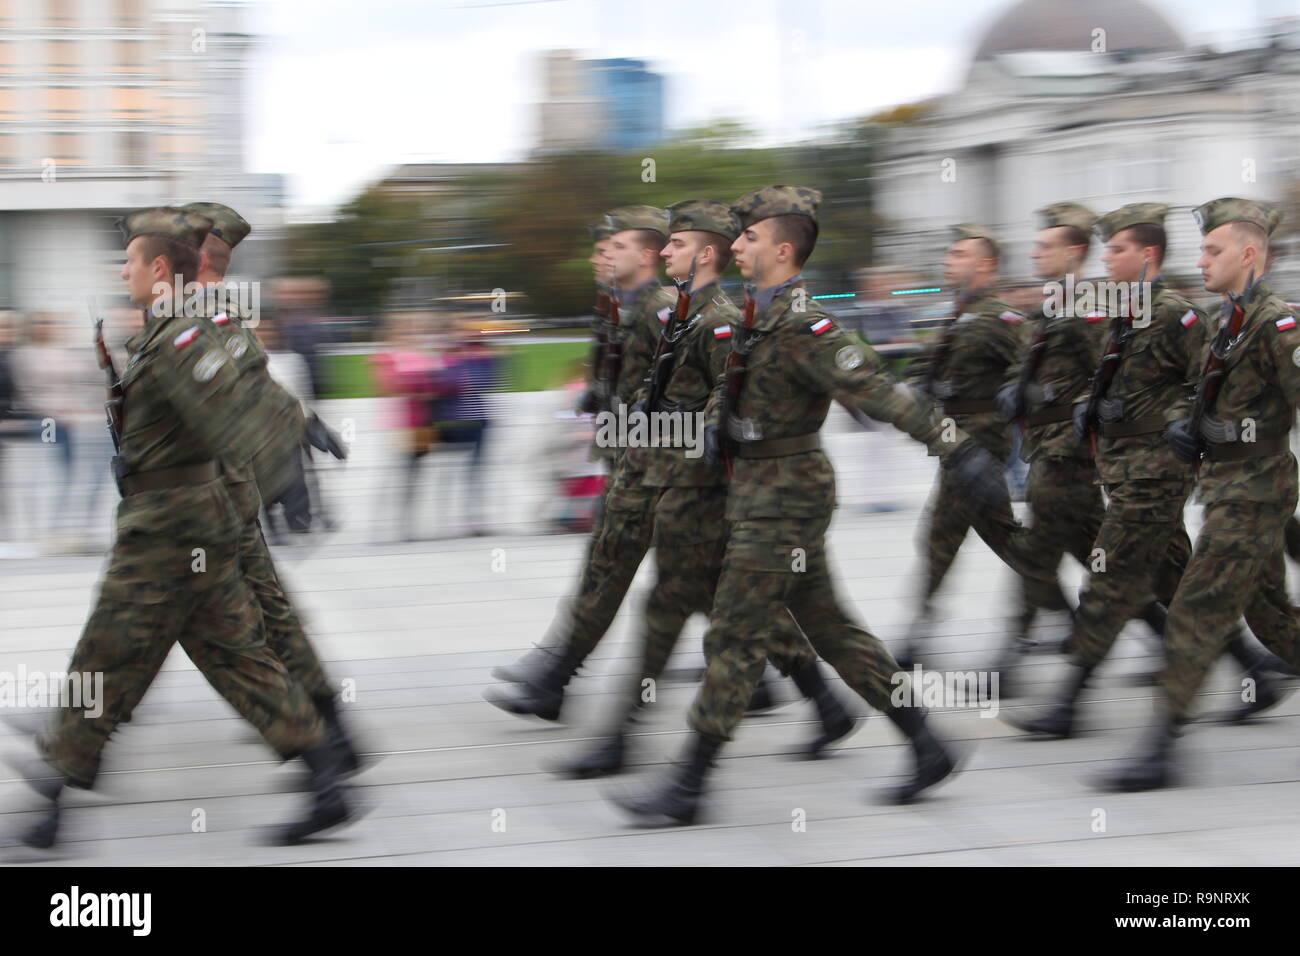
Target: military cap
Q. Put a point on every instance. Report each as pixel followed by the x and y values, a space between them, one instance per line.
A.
pixel 1067 214
pixel 637 217
pixel 1134 214
pixel 180 225
pixel 703 215
pixel 227 225
pixel 1219 212
pixel 600 229
pixel 776 201
pixel 969 230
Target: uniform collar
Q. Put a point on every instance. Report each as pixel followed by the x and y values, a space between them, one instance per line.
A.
pixel 701 297
pixel 627 299
pixel 764 298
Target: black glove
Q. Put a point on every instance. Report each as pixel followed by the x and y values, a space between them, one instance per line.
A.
pixel 588 403
pixel 1011 402
pixel 320 435
pixel 1184 440
pixel 1081 422
pixel 712 445
pixel 980 474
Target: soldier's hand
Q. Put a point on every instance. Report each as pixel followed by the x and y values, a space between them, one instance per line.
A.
pixel 1011 402
pixel 637 409
pixel 1184 440
pixel 588 403
pixel 321 436
pixel 712 445
pixel 980 474
pixel 1081 421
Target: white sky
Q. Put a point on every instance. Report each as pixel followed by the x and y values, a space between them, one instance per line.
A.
pixel 339 91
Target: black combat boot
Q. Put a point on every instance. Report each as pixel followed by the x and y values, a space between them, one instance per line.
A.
pixel 678 802
pixel 1291 535
pixel 1259 665
pixel 349 760
pixel 837 723
pixel 1014 655
pixel 329 804
pixel 604 759
pixel 1058 720
pixel 762 701
pixel 933 761
pixel 49 784
pixel 533 661
pixel 1152 768
pixel 542 693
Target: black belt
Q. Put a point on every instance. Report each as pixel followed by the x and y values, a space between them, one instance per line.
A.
pixel 1139 426
pixel 972 406
pixel 1243 450
pixel 162 478
pixel 1049 416
pixel 780 447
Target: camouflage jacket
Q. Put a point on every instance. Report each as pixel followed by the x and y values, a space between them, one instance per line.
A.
pixel 1158 368
pixel 800 363
pixel 178 385
pixel 1259 393
pixel 986 340
pixel 698 359
pixel 1074 344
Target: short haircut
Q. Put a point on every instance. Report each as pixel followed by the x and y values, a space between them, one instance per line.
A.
pixel 1074 236
pixel 721 249
pixel 1250 234
pixel 1147 234
pixel 799 231
pixel 219 253
pixel 649 239
pixel 183 259
pixel 988 249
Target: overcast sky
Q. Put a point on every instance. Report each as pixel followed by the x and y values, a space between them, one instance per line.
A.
pixel 336 96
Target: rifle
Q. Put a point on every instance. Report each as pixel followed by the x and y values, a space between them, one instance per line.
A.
pixel 661 366
pixel 1109 366
pixel 1231 319
pixel 115 407
pixel 940 354
pixel 742 343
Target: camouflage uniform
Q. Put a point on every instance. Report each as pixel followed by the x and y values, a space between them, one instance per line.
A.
pixel 178 388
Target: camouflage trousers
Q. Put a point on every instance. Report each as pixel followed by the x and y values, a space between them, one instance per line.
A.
pixel 690 538
pixel 1066 511
pixel 1238 569
pixel 950 515
pixel 773 567
pixel 284 632
pixel 1141 553
pixel 221 630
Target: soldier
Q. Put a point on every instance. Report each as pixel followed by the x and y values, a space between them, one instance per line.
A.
pixel 623 533
pixel 964 371
pixel 1144 383
pixel 690 529
pixel 1237 431
pixel 173 574
pixel 782 494
pixel 278 413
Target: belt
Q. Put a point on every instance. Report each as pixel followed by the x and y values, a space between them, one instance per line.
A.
pixel 780 447
pixel 1139 426
pixel 1243 450
pixel 1048 416
pixel 973 406
pixel 163 478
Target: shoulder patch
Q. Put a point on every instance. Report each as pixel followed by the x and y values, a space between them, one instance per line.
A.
pixel 186 337
pixel 722 332
pixel 208 365
pixel 848 358
pixel 221 319
pixel 820 326
pixel 1015 318
pixel 1189 319
pixel 1097 317
pixel 1285 323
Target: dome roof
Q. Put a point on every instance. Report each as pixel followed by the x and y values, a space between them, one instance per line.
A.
pixel 1036 25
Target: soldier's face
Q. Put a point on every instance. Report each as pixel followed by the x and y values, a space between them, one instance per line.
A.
pixel 756 249
pixel 598 268
pixel 624 255
pixel 1222 260
pixel 1051 256
pixel 140 275
pixel 681 249
pixel 1124 258
pixel 962 262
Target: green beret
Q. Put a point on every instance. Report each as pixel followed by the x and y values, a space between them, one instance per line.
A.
pixel 776 201
pixel 1134 214
pixel 600 229
pixel 1067 214
pixel 637 217
pixel 703 215
pixel 181 225
pixel 969 230
pixel 1220 212
pixel 227 225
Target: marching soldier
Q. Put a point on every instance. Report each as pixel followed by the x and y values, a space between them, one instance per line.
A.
pixel 963 373
pixel 173 575
pixel 795 361
pixel 278 417
pixel 1238 432
pixel 690 529
pixel 1145 381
